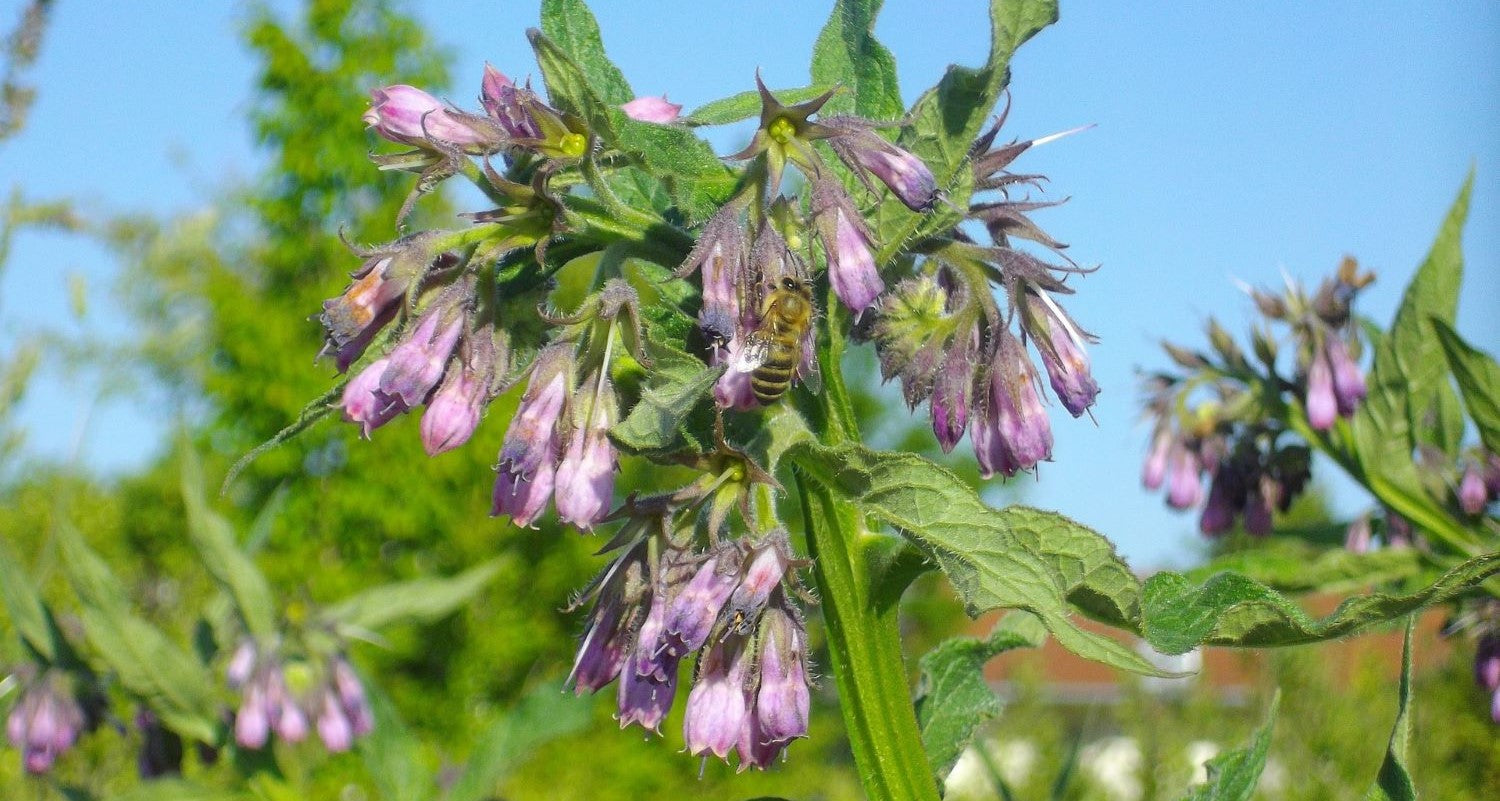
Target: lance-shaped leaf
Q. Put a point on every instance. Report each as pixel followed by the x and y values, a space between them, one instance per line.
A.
pixel 413 601
pixel 953 698
pixel 744 105
pixel 847 53
pixel 1016 558
pixel 540 717
pixel 28 612
pixel 1229 609
pixel 1232 775
pixel 1478 378
pixel 572 25
pixel 172 683
pixel 1408 384
pixel 235 573
pixel 1394 783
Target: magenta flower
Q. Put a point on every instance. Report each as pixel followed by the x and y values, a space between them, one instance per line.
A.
pixel 503 102
pixel 1060 344
pixel 867 153
pixel 649 108
pixel 1014 433
pixel 848 244
pixel 524 497
pixel 691 614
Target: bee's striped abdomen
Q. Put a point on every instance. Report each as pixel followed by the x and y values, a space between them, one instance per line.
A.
pixel 770 380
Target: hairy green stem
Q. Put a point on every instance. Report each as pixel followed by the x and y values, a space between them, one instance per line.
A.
pixel 864 640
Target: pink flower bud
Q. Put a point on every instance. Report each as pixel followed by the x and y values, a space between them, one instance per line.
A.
pixel 411 116
pixel 454 411
pixel 586 475
pixel 1322 406
pixel 418 363
pixel 334 728
pixel 1060 344
pixel 252 724
pixel 1155 468
pixel 649 108
pixel 784 699
pixel 1348 381
pixel 502 101
pixel 241 663
pixel 1473 495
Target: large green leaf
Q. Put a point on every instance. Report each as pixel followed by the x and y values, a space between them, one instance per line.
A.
pixel 1410 400
pixel 953 699
pixel 1394 783
pixel 213 537
pixel 1229 609
pixel 572 25
pixel 746 104
pixel 413 601
pixel 28 612
pixel 1478 378
pixel 170 681
pixel 393 755
pixel 1232 775
pixel 1016 558
pixel 542 716
pixel 1289 565
pixel 847 53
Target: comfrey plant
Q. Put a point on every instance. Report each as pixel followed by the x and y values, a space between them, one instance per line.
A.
pixel 1251 423
pixel 642 299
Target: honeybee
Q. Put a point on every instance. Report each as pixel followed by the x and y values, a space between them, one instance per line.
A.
pixel 772 352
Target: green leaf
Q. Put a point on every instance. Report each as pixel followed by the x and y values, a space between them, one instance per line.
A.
pixel 568 87
pixel 847 53
pixel 1478 379
pixel 1394 783
pixel 392 754
pixel 28 612
pixel 678 383
pixel 573 26
pixel 170 681
pixel 746 104
pixel 235 573
pixel 1016 558
pixel 414 601
pixel 947 118
pixel 1409 395
pixel 543 715
pixel 1290 565
pixel 1230 609
pixel 1232 775
pixel 953 699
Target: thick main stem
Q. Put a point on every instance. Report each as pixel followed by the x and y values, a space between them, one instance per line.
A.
pixel 864 647
pixel 864 640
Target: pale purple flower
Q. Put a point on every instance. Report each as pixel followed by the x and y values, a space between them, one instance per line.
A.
pixel 252 721
pixel 848 245
pixel 1154 471
pixel 408 115
pixel 351 695
pixel 646 699
pixel 1014 433
pixel 691 614
pixel 1322 405
pixel 765 567
pixel 454 411
pixel 865 152
pixel 1184 490
pixel 417 364
pixel 503 102
pixel 1473 495
pixel 1348 381
pixel 733 390
pixel 241 664
pixel 783 700
pixel 364 403
pixel 334 727
pixel 717 706
pixel 45 723
pixel 524 497
pixel 649 108
pixel 756 750
pixel 1060 344
pixel 1358 535
pixel 586 475
pixel 1226 492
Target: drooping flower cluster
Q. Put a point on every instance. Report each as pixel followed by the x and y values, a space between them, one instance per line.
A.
pixel 47 719
pixel 659 603
pixel 291 697
pixel 948 340
pixel 1213 421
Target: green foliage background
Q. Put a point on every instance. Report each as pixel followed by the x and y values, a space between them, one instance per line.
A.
pixel 223 298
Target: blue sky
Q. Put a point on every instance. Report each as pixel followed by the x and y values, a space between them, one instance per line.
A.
pixel 1234 142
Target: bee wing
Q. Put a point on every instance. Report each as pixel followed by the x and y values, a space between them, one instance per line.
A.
pixel 809 374
pixel 752 354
